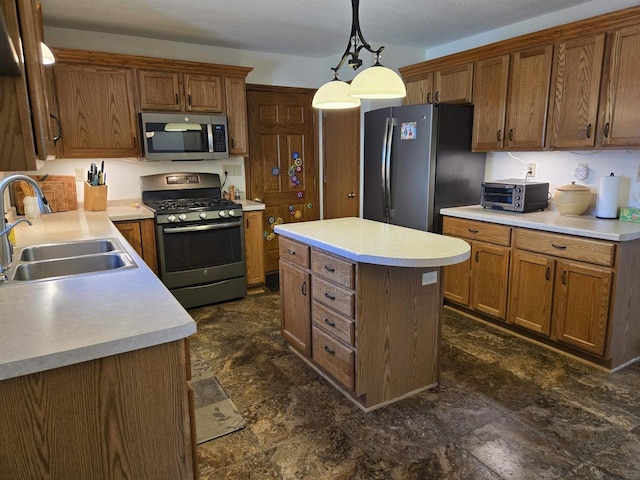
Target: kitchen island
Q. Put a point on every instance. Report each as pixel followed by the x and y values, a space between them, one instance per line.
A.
pixel 93 368
pixel 361 304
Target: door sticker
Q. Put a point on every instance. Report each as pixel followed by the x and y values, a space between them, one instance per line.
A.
pixel 408 131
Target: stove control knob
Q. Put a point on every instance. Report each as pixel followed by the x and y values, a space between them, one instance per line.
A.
pixel 203 215
pixel 232 213
pixel 171 218
pixel 182 217
pixel 222 213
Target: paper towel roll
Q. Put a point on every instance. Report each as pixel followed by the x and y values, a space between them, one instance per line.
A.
pixel 607 203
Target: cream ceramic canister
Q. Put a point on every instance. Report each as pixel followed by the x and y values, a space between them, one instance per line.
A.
pixel 572 199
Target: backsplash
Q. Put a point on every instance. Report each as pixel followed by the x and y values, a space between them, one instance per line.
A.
pixel 558 168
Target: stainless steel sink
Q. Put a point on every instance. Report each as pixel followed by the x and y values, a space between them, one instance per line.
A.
pixel 68 249
pixel 63 267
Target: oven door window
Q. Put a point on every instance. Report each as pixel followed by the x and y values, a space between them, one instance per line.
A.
pixel 201 246
pixel 176 137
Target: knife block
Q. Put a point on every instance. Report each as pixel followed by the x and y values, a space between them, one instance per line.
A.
pixel 95 197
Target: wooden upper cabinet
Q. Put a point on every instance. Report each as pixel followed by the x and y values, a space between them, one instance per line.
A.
pixel 178 92
pixel 620 124
pixel 527 98
pixel 236 100
pixel 577 70
pixel 419 91
pixel 97 111
pixel 160 91
pixel 490 100
pixel 453 84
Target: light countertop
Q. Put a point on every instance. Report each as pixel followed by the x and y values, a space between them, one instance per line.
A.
pixel 552 221
pixel 378 243
pixel 50 324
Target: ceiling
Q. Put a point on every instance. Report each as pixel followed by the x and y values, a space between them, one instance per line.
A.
pixel 307 28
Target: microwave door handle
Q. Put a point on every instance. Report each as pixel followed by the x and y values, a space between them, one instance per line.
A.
pixel 391 122
pixel 210 136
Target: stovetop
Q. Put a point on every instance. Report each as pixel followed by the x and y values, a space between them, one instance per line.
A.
pixel 177 205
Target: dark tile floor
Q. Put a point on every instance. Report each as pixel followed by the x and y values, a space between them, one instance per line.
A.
pixel 505 409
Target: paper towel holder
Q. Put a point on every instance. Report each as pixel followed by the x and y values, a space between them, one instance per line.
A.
pixel 607 200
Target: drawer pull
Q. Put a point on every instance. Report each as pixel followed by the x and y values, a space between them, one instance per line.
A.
pixel 303 289
pixel 330 323
pixel 291 252
pixel 330 297
pixel 477 257
pixel 329 351
pixel 589 131
pixel 547 274
pixel 473 230
pixel 329 269
pixel 559 247
pixel 564 277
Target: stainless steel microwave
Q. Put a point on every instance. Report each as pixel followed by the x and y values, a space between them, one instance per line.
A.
pixel 181 136
pixel 514 195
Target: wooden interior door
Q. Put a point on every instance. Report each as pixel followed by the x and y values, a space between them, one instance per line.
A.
pixel 282 169
pixel 341 162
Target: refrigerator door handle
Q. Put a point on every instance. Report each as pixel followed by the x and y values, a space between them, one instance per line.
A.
pixel 386 167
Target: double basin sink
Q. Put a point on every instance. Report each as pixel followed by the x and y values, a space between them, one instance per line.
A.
pixel 57 260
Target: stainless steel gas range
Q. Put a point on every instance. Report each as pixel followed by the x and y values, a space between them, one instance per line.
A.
pixel 199 235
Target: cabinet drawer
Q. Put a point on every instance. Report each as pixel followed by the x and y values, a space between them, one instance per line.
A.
pixel 293 251
pixel 566 246
pixel 335 324
pixel 333 268
pixel 335 358
pixel 337 298
pixel 473 230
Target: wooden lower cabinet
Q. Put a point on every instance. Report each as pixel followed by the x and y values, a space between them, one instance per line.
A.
pixel 122 416
pixel 371 330
pixel 141 235
pixel 254 247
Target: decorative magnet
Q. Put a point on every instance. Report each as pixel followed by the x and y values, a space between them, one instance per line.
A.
pixel 298 162
pixel 298 168
pixel 298 214
pixel 294 178
pixel 292 170
pixel 271 236
pixel 275 171
pixel 271 220
pixel 295 155
pixel 299 194
pixel 309 205
pixel 279 221
pixel 291 208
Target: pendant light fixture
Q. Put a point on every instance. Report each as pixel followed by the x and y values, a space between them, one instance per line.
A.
pixel 376 82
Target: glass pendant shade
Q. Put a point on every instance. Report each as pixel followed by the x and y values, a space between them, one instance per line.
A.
pixel 334 95
pixel 47 55
pixel 377 82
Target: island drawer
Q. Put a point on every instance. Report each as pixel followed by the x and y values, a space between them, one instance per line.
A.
pixel 293 251
pixel 566 246
pixel 333 268
pixel 339 299
pixel 337 359
pixel 335 324
pixel 474 230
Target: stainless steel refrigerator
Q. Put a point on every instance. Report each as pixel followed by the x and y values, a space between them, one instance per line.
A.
pixel 417 160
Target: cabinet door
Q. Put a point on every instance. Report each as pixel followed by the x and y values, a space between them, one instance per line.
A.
pixel 97 111
pixel 141 235
pixel 490 101
pixel 622 97
pixel 419 91
pixel 236 100
pixel 160 91
pixel 531 291
pixel 489 277
pixel 454 84
pixel 254 248
pixel 456 282
pixel 577 70
pixel 581 305
pixel 131 232
pixel 204 93
pixel 529 81
pixel 295 294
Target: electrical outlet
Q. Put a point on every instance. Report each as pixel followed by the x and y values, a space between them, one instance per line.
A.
pixel 233 170
pixel 531 169
pixel 80 175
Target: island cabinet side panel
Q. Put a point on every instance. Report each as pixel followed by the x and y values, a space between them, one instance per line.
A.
pixel 397 331
pixel 122 416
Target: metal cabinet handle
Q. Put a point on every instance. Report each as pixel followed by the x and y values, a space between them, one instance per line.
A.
pixel 303 289
pixel 177 99
pixel 499 136
pixel 291 252
pixel 330 323
pixel 473 230
pixel 606 130
pixel 351 195
pixel 233 144
pixel 330 297
pixel 589 131
pixel 437 96
pixel 59 124
pixel 564 277
pixel 329 351
pixel 477 257
pixel 329 269
pixel 189 99
pixel 559 247
pixel 511 135
pixel 547 274
pixel 429 97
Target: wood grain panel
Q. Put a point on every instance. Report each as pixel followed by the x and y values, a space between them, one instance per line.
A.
pixel 254 248
pixel 397 332
pixel 454 84
pixel 160 91
pixel 339 299
pixel 332 268
pixel 100 419
pixel 204 93
pixel 334 324
pixel 490 103
pixel 474 230
pixel 419 91
pixel 295 286
pixel 489 279
pixel 295 252
pixel 457 282
pixel 236 102
pixel 337 359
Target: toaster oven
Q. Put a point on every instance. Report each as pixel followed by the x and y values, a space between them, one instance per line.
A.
pixel 515 195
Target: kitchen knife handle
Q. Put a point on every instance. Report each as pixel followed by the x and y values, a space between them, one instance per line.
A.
pixel 589 131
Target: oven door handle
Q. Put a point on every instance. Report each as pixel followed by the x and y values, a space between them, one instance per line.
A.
pixel 199 228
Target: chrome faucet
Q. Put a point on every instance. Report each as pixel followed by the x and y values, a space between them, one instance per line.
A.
pixel 6 249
